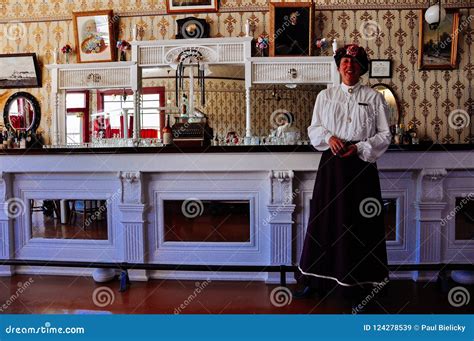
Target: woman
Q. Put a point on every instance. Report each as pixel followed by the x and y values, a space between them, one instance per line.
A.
pixel 345 238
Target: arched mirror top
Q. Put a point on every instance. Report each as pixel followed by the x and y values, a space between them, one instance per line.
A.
pixel 392 101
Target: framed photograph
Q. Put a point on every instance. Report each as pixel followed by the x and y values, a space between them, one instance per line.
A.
pixel 380 68
pixel 95 38
pixel 20 70
pixel 191 6
pixel 438 49
pixel 291 29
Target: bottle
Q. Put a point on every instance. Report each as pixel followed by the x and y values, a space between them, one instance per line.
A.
pixel 10 139
pixel 167 132
pixel 184 106
pixel 16 139
pixel 5 138
pixel 215 141
pixel 22 140
pixel 29 139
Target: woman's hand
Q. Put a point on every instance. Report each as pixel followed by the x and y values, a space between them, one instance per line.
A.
pixel 350 150
pixel 336 145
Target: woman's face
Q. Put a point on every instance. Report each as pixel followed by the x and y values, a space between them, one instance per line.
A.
pixel 350 71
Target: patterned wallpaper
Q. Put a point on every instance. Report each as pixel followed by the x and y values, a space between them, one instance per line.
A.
pixel 426 97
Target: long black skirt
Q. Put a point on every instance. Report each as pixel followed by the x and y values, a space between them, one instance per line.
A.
pixel 345 238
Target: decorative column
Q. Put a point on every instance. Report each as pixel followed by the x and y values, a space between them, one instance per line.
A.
pixel 430 204
pixel 6 224
pixel 55 136
pixel 136 117
pixel 133 224
pixel 280 221
pixel 248 86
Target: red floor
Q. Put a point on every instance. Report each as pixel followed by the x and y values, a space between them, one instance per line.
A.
pixel 75 295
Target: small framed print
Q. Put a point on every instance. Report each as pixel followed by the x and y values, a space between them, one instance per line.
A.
pixel 438 48
pixel 94 33
pixel 19 70
pixel 291 29
pixel 380 68
pixel 191 6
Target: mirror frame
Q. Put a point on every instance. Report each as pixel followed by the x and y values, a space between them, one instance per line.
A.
pixel 399 118
pixel 36 107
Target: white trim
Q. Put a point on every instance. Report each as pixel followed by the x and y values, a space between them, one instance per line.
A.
pixel 338 281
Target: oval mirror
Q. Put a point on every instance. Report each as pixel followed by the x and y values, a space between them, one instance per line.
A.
pixel 22 112
pixel 392 102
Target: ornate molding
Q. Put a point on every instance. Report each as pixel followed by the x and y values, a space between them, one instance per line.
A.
pixel 131 187
pixel 63 14
pixel 281 184
pixel 4 183
pixel 434 174
pixel 430 184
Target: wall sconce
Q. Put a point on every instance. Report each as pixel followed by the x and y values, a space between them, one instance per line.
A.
pixel 434 15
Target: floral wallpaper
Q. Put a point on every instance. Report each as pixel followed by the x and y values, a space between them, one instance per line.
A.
pixel 426 97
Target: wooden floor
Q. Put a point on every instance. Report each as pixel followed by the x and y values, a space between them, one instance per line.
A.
pixel 75 295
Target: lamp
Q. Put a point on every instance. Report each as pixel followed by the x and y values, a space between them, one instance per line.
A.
pixel 434 15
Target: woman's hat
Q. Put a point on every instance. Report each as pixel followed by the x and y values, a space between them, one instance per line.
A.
pixel 353 51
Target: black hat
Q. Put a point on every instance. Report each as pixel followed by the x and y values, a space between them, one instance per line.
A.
pixel 353 51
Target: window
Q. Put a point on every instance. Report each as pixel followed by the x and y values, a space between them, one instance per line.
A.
pixel 113 101
pixel 77 117
pixel 74 128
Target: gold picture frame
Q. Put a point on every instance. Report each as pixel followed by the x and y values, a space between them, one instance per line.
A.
pixel 95 36
pixel 191 6
pixel 438 49
pixel 291 29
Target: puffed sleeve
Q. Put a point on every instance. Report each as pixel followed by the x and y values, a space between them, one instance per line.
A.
pixel 374 147
pixel 318 134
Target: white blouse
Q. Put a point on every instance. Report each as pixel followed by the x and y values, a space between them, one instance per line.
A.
pixel 351 113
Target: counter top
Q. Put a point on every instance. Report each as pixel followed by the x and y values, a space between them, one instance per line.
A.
pixel 223 149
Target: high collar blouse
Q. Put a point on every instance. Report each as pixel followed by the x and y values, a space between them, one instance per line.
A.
pixel 351 113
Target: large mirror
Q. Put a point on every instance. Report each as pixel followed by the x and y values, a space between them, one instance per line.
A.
pixel 22 112
pixel 106 116
pixel 392 101
pixel 225 100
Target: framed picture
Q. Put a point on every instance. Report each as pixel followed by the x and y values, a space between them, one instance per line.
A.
pixel 438 49
pixel 380 68
pixel 191 6
pixel 95 39
pixel 291 29
pixel 19 70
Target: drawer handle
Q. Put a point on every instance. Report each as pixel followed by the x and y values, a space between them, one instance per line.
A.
pixel 293 73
